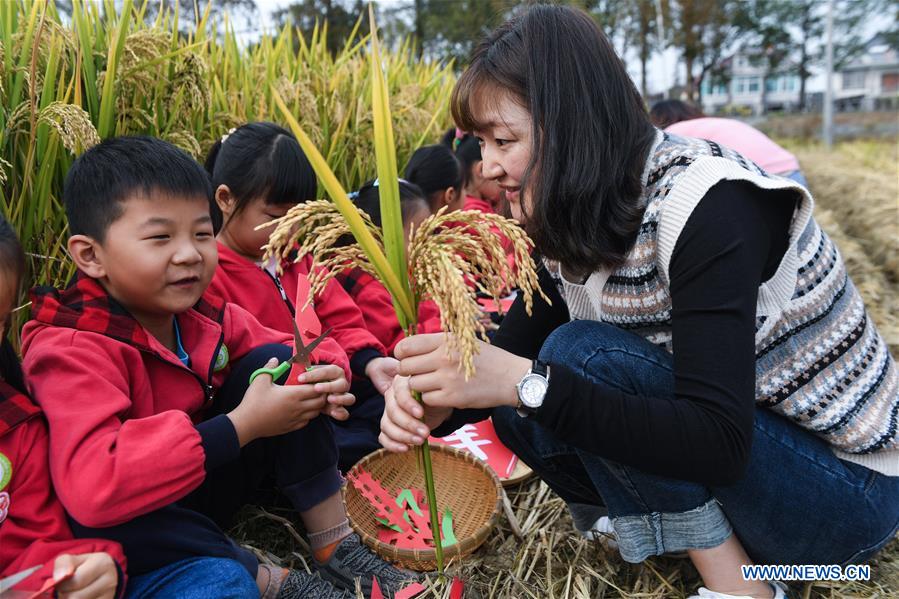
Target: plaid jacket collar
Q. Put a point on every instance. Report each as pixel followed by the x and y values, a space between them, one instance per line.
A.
pixel 15 408
pixel 85 305
pixel 354 280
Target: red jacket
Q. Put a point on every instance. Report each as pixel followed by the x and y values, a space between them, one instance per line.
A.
pixel 272 300
pixel 33 527
pixel 481 205
pixel 377 307
pixel 122 408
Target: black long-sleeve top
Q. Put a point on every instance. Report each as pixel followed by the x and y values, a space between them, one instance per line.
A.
pixel 732 242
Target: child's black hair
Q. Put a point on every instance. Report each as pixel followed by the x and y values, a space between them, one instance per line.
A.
pixel 14 258
pixel 412 199
pixel 119 167
pixel 468 151
pixel 668 112
pixel 434 169
pixel 260 160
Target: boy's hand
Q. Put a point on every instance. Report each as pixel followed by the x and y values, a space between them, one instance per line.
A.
pixel 269 410
pixel 96 576
pixel 381 372
pixel 331 381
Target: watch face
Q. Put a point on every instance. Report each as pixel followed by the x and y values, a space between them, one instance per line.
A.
pixel 533 390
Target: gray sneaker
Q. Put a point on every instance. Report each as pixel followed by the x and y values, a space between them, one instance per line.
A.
pixel 302 585
pixel 352 560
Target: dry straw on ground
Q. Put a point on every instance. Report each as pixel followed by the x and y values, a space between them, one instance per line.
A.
pixel 551 560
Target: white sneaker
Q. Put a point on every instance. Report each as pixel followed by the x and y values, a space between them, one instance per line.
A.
pixel 602 531
pixel 704 593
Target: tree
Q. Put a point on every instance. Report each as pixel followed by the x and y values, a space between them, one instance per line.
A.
pixel 643 24
pixel 704 31
pixel 849 19
pixel 769 42
pixel 340 16
pixel 451 30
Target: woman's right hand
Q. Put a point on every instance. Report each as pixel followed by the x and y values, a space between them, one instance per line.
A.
pixel 405 421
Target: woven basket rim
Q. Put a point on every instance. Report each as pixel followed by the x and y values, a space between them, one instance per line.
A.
pixel 464 545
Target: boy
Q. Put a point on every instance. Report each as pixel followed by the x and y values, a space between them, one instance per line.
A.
pixel 155 437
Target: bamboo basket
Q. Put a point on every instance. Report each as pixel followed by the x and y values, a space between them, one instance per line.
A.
pixel 464 484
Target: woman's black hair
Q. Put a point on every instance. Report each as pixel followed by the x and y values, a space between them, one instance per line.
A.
pixel 668 112
pixel 590 131
pixel 13 258
pixel 260 160
pixel 434 169
pixel 412 200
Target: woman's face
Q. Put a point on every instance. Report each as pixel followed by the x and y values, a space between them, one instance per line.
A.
pixel 506 148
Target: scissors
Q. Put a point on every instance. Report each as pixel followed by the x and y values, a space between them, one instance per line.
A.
pixel 303 356
pixel 9 582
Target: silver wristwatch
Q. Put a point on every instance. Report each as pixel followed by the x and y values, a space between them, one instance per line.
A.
pixel 532 388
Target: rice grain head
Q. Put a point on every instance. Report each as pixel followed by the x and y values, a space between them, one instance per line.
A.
pixel 73 124
pixel 452 256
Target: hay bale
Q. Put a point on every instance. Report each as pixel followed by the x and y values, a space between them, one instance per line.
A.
pixel 858 182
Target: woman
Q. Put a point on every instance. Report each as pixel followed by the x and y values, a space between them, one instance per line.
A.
pixel 707 372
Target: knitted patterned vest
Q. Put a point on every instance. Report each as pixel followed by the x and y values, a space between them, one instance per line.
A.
pixel 819 359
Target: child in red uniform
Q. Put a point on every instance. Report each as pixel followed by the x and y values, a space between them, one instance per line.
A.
pixel 33 528
pixel 157 437
pixel 380 317
pixel 481 194
pixel 258 173
pixel 436 170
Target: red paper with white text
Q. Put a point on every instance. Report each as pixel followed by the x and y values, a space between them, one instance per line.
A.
pixel 480 440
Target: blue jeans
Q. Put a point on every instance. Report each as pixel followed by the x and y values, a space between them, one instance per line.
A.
pixel 798 177
pixel 196 578
pixel 796 504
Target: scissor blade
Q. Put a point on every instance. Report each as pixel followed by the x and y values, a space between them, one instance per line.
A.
pixel 11 581
pixel 297 339
pixel 304 356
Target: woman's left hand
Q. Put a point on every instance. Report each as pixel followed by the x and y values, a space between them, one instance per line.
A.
pixel 437 374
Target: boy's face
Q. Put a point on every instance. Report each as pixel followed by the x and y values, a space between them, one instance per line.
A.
pixel 159 256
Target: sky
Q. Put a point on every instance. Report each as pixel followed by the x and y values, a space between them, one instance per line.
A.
pixel 660 71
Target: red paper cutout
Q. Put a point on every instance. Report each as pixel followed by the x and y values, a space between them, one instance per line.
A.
pixel 481 441
pixel 413 590
pixel 456 589
pixel 308 324
pixel 418 535
pixel 489 304
pixel 376 589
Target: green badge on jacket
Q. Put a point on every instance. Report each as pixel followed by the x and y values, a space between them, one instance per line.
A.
pixel 5 471
pixel 221 360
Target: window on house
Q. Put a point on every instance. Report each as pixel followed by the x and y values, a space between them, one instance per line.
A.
pixel 889 82
pixel 772 83
pixel 854 80
pixel 754 84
